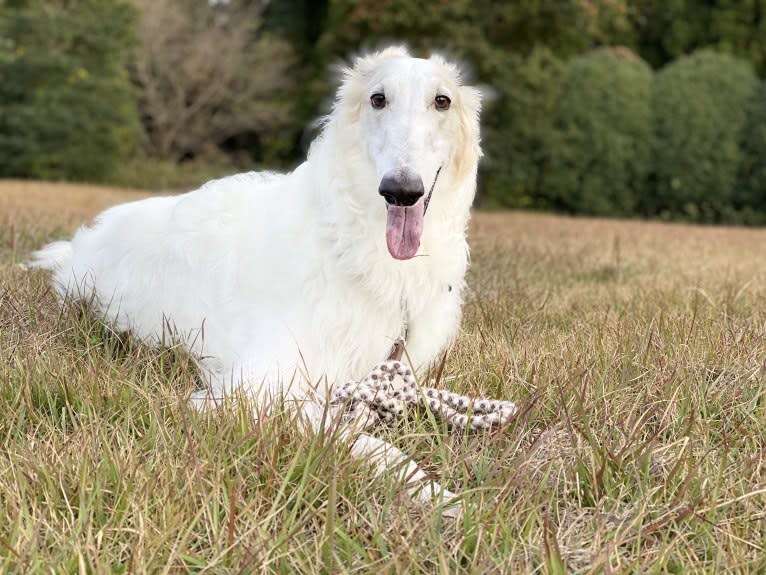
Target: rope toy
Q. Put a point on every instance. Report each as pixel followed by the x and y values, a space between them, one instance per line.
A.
pixel 375 399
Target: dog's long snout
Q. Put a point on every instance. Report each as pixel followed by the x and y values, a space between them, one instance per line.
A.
pixel 402 189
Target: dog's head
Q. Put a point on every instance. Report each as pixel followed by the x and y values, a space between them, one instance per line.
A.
pixel 420 128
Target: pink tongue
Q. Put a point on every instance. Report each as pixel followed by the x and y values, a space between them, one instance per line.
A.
pixel 403 229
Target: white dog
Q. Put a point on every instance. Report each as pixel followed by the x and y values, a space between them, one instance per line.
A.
pixel 283 284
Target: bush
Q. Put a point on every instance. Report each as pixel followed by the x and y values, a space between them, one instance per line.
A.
pixel 67 107
pixel 700 108
pixel 601 134
pixel 517 128
pixel 750 197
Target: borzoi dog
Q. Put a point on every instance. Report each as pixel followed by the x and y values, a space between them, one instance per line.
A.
pixel 285 284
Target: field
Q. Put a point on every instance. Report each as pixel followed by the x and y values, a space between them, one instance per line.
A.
pixel 636 351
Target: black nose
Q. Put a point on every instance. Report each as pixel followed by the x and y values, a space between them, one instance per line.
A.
pixel 403 189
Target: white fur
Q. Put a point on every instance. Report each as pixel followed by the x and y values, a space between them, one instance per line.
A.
pixel 271 278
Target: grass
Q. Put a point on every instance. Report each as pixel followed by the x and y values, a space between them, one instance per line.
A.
pixel 636 350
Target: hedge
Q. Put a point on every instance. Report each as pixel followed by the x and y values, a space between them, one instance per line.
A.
pixel 750 196
pixel 700 105
pixel 517 128
pixel 602 133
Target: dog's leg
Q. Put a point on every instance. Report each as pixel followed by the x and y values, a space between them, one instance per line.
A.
pixel 385 458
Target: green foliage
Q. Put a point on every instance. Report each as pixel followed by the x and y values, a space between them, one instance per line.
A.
pixel 517 128
pixel 566 27
pixel 569 122
pixel 469 27
pixel 750 199
pixel 482 31
pixel 600 152
pixel 668 29
pixel 67 107
pixel 700 105
pixel 357 24
pixel 579 139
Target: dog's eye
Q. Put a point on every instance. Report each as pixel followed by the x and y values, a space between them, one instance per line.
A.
pixel 442 103
pixel 378 101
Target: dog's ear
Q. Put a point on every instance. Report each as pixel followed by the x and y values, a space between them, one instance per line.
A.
pixel 470 100
pixel 468 149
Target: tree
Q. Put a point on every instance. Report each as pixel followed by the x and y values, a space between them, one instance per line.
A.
pixel 209 73
pixel 750 197
pixel 517 129
pixel 700 105
pixel 603 131
pixel 668 29
pixel 567 28
pixel 67 107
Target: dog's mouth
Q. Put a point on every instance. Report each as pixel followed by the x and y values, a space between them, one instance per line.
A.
pixel 406 210
pixel 404 226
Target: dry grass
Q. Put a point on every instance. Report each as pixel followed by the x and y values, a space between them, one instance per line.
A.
pixel 636 349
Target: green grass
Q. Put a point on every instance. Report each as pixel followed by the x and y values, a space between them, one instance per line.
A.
pixel 635 350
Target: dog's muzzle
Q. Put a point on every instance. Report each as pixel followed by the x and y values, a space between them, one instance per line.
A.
pixel 401 189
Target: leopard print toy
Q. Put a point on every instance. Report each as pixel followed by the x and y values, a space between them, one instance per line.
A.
pixel 375 398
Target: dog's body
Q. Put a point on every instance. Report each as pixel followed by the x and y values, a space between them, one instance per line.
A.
pixel 309 277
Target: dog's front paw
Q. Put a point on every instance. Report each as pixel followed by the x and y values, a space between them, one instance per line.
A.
pixel 451 505
pixel 447 503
